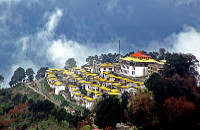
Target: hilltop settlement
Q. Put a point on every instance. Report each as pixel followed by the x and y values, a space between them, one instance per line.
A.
pixel 89 84
pixel 154 90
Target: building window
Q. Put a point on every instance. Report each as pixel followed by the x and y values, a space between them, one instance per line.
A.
pixel 133 68
pixel 110 68
pixel 104 68
pixel 133 72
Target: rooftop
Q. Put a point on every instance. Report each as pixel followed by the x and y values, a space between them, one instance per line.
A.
pixel 139 54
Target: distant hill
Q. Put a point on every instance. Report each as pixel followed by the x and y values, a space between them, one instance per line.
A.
pixel 22 108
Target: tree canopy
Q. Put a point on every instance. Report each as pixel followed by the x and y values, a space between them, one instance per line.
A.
pixel 180 64
pixel 142 107
pixel 41 72
pixel 1 79
pixel 30 74
pixel 70 63
pixel 18 76
pixel 108 112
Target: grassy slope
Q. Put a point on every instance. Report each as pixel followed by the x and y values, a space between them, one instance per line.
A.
pixel 51 123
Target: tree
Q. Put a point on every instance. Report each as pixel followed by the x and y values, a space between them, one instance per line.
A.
pixel 30 73
pixel 156 84
pixel 124 103
pixel 161 53
pixel 181 64
pixel 128 54
pixel 17 77
pixel 175 107
pixel 142 108
pixel 41 72
pixel 1 80
pixel 90 59
pixel 154 55
pixel 70 63
pixel 180 113
pixel 178 86
pixel 108 112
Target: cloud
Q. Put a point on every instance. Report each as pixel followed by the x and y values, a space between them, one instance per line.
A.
pixel 185 41
pixel 9 1
pixel 111 5
pixel 45 47
pixel 53 20
pixel 186 2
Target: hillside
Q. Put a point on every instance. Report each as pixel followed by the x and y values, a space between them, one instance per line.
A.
pixel 22 108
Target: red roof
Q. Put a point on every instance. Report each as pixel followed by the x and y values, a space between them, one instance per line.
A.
pixel 139 54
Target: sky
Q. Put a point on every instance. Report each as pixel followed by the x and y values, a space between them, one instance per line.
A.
pixel 40 33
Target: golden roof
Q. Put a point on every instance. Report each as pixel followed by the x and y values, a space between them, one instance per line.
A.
pixel 112 76
pixel 137 87
pixel 74 90
pixel 102 80
pixel 115 90
pixel 51 76
pixel 104 88
pixel 83 81
pixel 106 65
pixel 78 78
pixel 88 98
pixel 58 83
pixel 55 69
pixel 116 63
pixel 106 72
pixel 116 84
pixel 76 68
pixel 110 81
pixel 118 77
pixel 72 86
pixel 78 94
pixel 88 82
pixel 128 58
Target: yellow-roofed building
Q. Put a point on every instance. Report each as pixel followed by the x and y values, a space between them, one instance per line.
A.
pixel 106 67
pixel 157 67
pixel 89 102
pixel 136 65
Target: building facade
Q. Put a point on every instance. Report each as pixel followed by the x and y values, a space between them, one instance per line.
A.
pixel 135 65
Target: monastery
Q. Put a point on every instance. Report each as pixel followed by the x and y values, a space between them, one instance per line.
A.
pixel 89 84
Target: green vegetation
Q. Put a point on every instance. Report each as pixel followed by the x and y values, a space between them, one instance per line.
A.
pixel 108 113
pixel 22 108
pixel 30 74
pixel 18 76
pixel 70 63
pixel 47 86
pixel 1 80
pixel 83 91
pixel 41 72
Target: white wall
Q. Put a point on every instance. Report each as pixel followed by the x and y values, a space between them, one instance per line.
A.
pixel 58 89
pixel 140 71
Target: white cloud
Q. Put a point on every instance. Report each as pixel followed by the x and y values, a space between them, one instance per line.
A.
pixel 185 41
pixel 9 1
pixel 111 5
pixel 53 20
pixel 186 2
pixel 45 46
